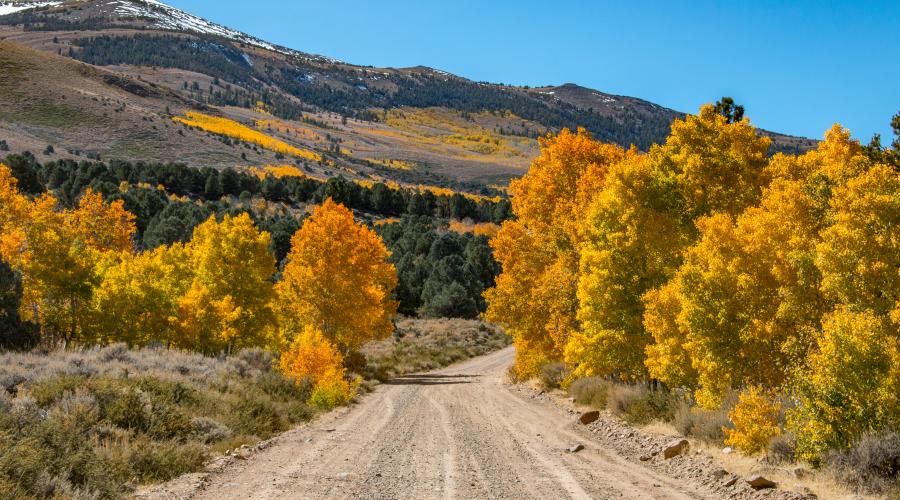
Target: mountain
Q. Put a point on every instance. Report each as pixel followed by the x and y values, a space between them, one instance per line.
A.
pixel 118 71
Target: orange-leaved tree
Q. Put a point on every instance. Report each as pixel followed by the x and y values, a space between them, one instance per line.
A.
pixel 534 297
pixel 337 279
pixel 636 228
pixel 314 358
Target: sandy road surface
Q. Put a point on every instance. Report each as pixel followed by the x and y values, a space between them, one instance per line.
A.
pixel 452 433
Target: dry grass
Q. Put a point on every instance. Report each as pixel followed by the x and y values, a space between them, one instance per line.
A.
pixel 872 465
pixel 97 423
pixel 427 344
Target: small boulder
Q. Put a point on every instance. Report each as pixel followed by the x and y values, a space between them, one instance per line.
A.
pixel 645 458
pixel 589 416
pixel 675 448
pixel 719 473
pixel 576 448
pixel 731 481
pixel 760 483
pixel 727 450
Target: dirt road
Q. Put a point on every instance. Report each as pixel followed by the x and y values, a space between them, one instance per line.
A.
pixel 459 432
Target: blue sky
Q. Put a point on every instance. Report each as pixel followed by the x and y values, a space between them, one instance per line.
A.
pixel 797 67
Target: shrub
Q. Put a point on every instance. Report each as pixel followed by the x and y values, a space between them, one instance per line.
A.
pixel 590 391
pixel 872 464
pixel 313 358
pixel 329 394
pixel 782 448
pixel 76 424
pixel 208 430
pixel 553 374
pixel 154 461
pixel 639 405
pixel 255 416
pixel 755 419
pixel 705 425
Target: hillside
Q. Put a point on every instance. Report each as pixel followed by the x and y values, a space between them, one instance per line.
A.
pixel 146 62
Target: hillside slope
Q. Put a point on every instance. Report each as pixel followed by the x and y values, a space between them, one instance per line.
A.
pixel 412 125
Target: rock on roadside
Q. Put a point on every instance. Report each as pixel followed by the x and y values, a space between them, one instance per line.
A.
pixel 675 448
pixel 759 482
pixel 589 416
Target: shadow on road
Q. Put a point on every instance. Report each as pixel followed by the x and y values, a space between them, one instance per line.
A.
pixel 431 379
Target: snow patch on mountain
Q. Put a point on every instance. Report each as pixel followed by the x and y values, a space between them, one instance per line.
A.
pixel 12 7
pixel 169 18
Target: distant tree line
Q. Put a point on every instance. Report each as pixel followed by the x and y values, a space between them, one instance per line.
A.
pixel 432 282
pixel 442 273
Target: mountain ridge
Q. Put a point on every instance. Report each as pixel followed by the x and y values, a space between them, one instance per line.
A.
pixel 436 111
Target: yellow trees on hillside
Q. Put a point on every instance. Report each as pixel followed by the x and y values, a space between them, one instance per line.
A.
pixel 709 265
pixel 641 219
pixel 57 251
pixel 534 298
pixel 337 279
pixel 231 128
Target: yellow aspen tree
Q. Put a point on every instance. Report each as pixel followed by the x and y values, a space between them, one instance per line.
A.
pixel 750 297
pixel 228 304
pixel 637 227
pixel 717 166
pixel 136 301
pixel 851 384
pixel 631 244
pixel 102 226
pixel 860 253
pixel 337 279
pixel 535 295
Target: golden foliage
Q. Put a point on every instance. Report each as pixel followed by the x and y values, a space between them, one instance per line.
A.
pixel 860 253
pixel 231 128
pixel 850 385
pixel 488 229
pixel 313 357
pixel 337 279
pixel 57 252
pixel 534 297
pixel 228 304
pixel 708 265
pixel 278 171
pixel 632 243
pixel 755 419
